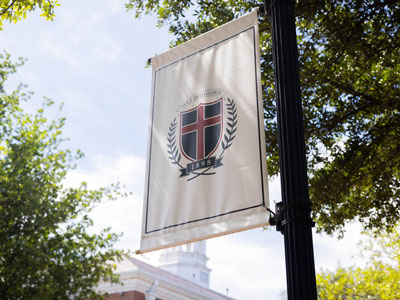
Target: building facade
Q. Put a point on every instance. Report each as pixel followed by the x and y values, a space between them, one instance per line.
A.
pixel 182 275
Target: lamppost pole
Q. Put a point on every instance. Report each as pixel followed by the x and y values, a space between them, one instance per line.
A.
pixel 293 213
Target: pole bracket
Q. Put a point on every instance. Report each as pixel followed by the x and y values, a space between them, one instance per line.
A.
pixel 285 214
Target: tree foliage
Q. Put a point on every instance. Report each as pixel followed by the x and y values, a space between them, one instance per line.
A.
pixel 379 279
pixel 15 10
pixel 46 251
pixel 349 59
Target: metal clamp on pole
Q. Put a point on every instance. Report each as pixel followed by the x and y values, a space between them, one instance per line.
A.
pixel 280 218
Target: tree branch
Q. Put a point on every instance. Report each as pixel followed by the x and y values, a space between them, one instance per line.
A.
pixel 7 8
pixel 350 90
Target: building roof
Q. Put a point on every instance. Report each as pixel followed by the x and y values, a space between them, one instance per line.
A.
pixel 141 276
pixel 178 280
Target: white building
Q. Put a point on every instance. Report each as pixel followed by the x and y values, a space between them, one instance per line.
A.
pixel 182 275
pixel 188 261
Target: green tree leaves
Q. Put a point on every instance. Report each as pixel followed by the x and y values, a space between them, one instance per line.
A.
pixel 350 63
pixel 379 279
pixel 46 251
pixel 15 10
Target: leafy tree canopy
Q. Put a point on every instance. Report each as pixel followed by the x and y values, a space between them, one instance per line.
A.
pixel 349 58
pixel 46 251
pixel 15 10
pixel 379 279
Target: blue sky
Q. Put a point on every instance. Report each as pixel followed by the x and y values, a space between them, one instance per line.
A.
pixel 92 58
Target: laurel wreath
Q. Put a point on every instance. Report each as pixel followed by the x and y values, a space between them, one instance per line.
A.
pixel 175 156
pixel 229 135
pixel 231 128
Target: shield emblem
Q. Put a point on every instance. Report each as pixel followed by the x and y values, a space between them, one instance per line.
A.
pixel 201 130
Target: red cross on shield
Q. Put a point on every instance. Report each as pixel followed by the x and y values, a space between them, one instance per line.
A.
pixel 201 130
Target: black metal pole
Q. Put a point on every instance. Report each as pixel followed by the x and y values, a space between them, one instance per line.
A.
pixel 295 207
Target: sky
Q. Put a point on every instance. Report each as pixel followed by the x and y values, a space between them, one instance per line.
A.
pixel 92 58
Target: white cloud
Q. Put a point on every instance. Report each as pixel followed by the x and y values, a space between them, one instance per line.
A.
pixel 85 43
pixel 107 49
pixel 249 264
pixel 57 49
pixel 330 252
pixel 124 214
pixel 126 169
pixel 116 6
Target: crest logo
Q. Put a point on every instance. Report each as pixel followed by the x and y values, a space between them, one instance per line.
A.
pixel 202 141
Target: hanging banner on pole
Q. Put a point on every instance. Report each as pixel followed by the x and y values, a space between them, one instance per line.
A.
pixel 206 170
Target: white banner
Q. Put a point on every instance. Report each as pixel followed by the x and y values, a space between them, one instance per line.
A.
pixel 206 171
